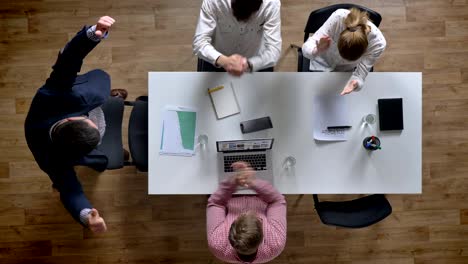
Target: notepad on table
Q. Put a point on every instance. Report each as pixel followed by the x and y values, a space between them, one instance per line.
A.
pixel 224 100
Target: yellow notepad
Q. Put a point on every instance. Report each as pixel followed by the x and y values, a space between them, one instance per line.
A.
pixel 224 100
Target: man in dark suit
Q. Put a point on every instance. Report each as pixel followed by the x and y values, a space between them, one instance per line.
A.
pixel 65 122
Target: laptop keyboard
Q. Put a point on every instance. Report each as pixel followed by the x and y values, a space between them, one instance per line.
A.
pixel 257 161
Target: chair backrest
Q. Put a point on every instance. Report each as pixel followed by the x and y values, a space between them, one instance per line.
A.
pixel 138 133
pixel 203 66
pixel 200 63
pixel 356 213
pixel 111 143
pixel 318 17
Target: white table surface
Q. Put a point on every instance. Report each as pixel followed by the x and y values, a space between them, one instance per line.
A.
pixel 321 167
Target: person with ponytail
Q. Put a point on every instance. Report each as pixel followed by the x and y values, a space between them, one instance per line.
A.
pixel 347 41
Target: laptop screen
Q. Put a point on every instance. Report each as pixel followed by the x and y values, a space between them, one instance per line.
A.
pixel 244 145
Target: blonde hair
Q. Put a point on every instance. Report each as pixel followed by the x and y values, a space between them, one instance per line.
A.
pixel 353 40
pixel 246 234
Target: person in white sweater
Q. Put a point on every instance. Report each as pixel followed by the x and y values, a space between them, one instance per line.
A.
pixel 239 36
pixel 347 41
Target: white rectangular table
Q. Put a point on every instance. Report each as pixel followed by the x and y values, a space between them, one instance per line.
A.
pixel 336 167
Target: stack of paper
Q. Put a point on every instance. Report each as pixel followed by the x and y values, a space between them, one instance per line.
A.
pixel 330 110
pixel 178 131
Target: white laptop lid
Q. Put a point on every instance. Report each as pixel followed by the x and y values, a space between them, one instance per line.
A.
pixel 244 145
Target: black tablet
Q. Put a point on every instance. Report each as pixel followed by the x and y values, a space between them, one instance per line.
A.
pixel 256 124
pixel 391 113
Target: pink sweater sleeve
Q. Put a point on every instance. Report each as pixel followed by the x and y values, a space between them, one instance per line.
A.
pixel 217 233
pixel 275 233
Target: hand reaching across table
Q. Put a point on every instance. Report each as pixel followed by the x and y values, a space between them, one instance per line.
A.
pixel 351 86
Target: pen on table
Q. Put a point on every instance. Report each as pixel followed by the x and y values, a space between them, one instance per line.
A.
pixel 338 127
pixel 217 88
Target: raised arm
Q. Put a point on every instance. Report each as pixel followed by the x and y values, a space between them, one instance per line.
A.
pixel 74 200
pixel 322 39
pixel 216 215
pixel 70 58
pixel 271 50
pixel 216 208
pixel 275 213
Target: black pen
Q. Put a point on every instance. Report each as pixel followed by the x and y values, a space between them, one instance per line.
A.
pixel 338 127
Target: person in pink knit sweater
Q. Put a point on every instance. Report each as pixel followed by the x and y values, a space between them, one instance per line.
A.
pixel 249 228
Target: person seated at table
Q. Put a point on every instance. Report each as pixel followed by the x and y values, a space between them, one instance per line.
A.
pixel 347 41
pixel 249 228
pixel 65 122
pixel 239 36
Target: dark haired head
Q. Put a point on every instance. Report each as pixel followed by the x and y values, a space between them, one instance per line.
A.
pixel 243 9
pixel 75 138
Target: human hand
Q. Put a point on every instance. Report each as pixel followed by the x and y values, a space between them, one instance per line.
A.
pixel 245 175
pixel 351 86
pixel 103 25
pixel 234 64
pixel 323 44
pixel 96 223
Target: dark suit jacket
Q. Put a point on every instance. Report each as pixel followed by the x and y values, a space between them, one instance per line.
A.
pixel 66 94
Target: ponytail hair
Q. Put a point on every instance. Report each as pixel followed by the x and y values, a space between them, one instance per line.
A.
pixel 353 40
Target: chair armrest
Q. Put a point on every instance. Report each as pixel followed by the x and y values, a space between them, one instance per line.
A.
pixel 111 144
pixel 303 63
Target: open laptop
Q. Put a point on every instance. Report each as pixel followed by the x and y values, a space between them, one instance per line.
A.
pixel 257 152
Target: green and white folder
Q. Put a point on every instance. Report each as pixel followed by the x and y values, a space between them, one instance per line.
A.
pixel 178 131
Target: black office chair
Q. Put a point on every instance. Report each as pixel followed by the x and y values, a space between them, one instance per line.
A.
pixel 138 133
pixel 111 144
pixel 317 18
pixel 358 213
pixel 203 66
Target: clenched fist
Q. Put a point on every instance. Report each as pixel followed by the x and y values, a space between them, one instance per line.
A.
pixel 103 25
pixel 96 223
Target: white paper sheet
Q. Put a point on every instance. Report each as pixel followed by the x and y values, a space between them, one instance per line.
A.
pixel 330 110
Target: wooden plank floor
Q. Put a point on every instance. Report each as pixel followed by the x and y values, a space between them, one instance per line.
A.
pixel 423 36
